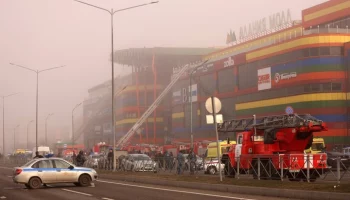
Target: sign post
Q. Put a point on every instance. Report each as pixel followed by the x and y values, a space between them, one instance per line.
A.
pixel 213 105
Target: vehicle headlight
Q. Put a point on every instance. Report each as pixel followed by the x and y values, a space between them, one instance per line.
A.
pixel 94 171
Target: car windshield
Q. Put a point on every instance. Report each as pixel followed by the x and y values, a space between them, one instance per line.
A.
pixel 317 146
pixel 141 157
pixel 29 163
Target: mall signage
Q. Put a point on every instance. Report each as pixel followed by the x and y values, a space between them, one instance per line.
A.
pixel 264 78
pixel 284 76
pixel 273 22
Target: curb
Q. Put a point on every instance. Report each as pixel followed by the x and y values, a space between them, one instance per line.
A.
pixel 260 191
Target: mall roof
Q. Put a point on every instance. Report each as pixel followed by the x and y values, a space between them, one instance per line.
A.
pixel 139 55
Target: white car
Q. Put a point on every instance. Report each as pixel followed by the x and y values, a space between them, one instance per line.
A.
pixel 211 166
pixel 41 171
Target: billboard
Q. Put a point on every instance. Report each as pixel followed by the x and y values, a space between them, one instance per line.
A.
pixel 264 78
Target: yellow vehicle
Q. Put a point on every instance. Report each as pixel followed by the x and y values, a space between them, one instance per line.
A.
pixel 317 146
pixel 212 148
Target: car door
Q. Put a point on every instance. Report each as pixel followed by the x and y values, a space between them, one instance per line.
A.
pixel 63 173
pixel 45 171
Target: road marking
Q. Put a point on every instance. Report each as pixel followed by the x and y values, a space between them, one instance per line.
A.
pixel 92 185
pixel 10 176
pixel 107 198
pixel 86 194
pixel 2 197
pixel 178 191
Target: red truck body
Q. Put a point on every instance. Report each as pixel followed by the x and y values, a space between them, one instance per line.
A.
pixel 274 147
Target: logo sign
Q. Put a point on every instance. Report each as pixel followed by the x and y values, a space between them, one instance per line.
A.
pixel 231 37
pixel 284 76
pixel 228 63
pixel 289 110
pixel 273 22
pixel 264 78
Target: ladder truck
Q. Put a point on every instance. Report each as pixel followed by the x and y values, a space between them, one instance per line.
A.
pixel 124 140
pixel 273 147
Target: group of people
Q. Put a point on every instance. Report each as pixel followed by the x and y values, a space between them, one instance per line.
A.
pixel 192 159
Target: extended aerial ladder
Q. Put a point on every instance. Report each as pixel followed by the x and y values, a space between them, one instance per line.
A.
pixel 123 140
pixel 262 123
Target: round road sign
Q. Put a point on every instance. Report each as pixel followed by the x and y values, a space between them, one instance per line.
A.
pixel 217 104
pixel 289 110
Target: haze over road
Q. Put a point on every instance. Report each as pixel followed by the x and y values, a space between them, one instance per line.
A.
pixel 110 190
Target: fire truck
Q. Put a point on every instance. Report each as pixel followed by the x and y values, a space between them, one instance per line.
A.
pixel 272 147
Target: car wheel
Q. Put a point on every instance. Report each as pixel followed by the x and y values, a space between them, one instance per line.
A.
pixel 212 170
pixel 84 180
pixel 34 183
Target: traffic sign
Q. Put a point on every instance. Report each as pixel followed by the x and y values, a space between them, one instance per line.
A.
pixel 289 110
pixel 209 106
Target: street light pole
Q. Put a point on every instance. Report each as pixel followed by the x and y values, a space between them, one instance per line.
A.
pixel 73 124
pixel 46 127
pixel 191 114
pixel 28 133
pixel 112 12
pixel 37 96
pixel 3 122
pixel 14 138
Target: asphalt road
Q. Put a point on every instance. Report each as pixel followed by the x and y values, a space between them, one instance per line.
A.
pixel 109 190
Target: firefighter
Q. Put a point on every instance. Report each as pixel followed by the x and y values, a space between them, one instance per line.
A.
pixel 192 158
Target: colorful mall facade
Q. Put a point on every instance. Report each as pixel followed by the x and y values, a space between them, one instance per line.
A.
pixel 302 68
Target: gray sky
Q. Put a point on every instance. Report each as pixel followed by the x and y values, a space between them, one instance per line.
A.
pixel 42 34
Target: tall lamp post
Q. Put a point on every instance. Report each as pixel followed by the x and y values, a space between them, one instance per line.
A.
pixel 112 12
pixel 3 122
pixel 28 133
pixel 37 96
pixel 14 138
pixel 190 87
pixel 73 123
pixel 48 116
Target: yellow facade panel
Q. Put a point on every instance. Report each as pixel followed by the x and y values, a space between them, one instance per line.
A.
pixel 293 99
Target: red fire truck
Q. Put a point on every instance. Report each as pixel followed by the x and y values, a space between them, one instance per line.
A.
pixel 273 147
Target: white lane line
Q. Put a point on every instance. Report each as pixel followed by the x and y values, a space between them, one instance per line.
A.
pixel 178 191
pixel 2 197
pixel 107 198
pixel 82 193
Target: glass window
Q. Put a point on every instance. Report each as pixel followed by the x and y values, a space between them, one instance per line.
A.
pixel 247 76
pixel 315 87
pixel 324 51
pixel 61 164
pixel 336 86
pixel 240 139
pixel 43 164
pixel 226 81
pixel 307 88
pixel 207 84
pixel 306 53
pixel 326 87
pixel 314 51
pixel 335 51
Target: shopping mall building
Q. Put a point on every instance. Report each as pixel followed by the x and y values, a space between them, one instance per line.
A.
pixel 272 64
pixel 303 66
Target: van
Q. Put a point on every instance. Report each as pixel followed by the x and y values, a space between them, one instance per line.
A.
pixel 212 148
pixel 211 164
pixel 43 150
